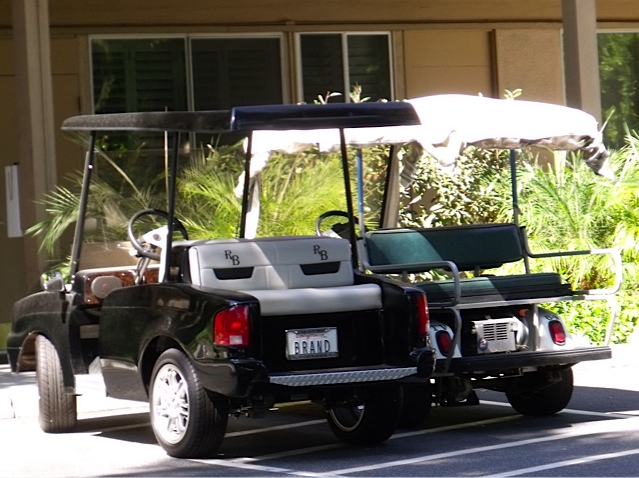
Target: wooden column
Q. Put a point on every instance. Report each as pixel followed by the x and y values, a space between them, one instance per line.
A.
pixel 36 157
pixel 581 57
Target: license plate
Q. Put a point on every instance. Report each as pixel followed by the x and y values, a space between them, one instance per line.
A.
pixel 302 344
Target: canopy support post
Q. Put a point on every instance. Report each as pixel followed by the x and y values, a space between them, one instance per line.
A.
pixel 89 164
pixel 515 196
pixel 175 137
pixel 349 198
pixel 247 184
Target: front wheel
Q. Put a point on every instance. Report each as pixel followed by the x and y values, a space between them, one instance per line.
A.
pixel 187 421
pixel 57 409
pixel 541 393
pixel 367 421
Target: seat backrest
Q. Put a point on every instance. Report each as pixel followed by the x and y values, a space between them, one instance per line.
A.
pixel 290 262
pixel 470 247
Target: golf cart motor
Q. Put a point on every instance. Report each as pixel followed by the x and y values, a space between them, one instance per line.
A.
pixel 499 335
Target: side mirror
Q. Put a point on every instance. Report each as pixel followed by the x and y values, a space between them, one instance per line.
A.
pixel 52 281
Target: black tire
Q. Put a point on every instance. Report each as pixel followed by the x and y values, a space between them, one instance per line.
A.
pixel 368 421
pixel 417 400
pixel 541 393
pixel 57 409
pixel 188 422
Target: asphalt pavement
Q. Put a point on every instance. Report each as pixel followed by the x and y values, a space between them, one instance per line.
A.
pixel 19 393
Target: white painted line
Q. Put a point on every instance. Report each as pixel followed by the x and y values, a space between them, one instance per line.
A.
pixel 455 427
pixel 580 429
pixel 117 429
pixel 289 453
pixel 243 466
pixel 576 461
pixel 242 462
pixel 278 427
pixel 623 414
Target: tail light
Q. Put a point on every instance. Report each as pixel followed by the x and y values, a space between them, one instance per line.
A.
pixel 423 316
pixel 231 326
pixel 557 332
pixel 443 341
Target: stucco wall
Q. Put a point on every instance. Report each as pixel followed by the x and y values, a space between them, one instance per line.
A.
pixel 11 249
pixel 531 60
pixel 447 61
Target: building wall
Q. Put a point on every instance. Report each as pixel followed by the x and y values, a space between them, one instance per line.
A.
pixel 448 61
pixel 440 46
pixel 531 60
pixel 11 249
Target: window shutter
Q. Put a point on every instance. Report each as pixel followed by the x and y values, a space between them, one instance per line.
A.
pixel 369 65
pixel 322 66
pixel 236 72
pixel 138 75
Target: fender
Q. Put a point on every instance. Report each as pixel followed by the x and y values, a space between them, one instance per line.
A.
pixel 138 323
pixel 48 314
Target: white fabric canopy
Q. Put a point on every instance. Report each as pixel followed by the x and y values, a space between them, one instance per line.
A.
pixel 449 123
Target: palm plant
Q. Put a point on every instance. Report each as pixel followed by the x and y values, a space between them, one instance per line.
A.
pixel 296 189
pixel 567 208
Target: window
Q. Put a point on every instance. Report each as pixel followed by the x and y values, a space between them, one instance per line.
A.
pixel 203 73
pixel 139 75
pixel 236 72
pixel 151 74
pixel 336 62
pixel 619 76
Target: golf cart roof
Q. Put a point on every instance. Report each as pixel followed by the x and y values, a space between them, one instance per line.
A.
pixel 252 118
pixel 159 121
pixel 442 125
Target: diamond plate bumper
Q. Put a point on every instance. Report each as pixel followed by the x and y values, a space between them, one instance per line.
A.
pixel 341 377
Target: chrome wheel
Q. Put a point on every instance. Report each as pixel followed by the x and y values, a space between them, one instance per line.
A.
pixel 170 407
pixel 187 420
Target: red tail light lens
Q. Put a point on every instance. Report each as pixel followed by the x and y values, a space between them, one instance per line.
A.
pixel 557 332
pixel 231 326
pixel 443 341
pixel 423 316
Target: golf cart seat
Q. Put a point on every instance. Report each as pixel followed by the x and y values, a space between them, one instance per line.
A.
pixel 288 275
pixel 464 249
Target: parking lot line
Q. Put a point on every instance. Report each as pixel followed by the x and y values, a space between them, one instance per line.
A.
pixel 252 431
pixel 582 429
pixel 623 414
pixel 575 461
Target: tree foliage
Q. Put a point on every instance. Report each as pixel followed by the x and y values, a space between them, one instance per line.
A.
pixel 619 78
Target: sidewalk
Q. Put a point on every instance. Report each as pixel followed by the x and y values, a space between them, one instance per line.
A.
pixel 19 393
pixel 19 397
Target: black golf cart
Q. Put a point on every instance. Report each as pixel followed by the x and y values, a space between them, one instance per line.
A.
pixel 204 329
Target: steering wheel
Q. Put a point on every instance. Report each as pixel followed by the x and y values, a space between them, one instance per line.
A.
pixel 339 229
pixel 147 244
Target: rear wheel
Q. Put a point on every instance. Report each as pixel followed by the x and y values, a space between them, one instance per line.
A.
pixel 187 421
pixel 417 400
pixel 57 409
pixel 372 419
pixel 541 393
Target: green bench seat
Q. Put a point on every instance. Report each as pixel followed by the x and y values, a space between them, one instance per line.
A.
pixel 461 248
pixel 497 288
